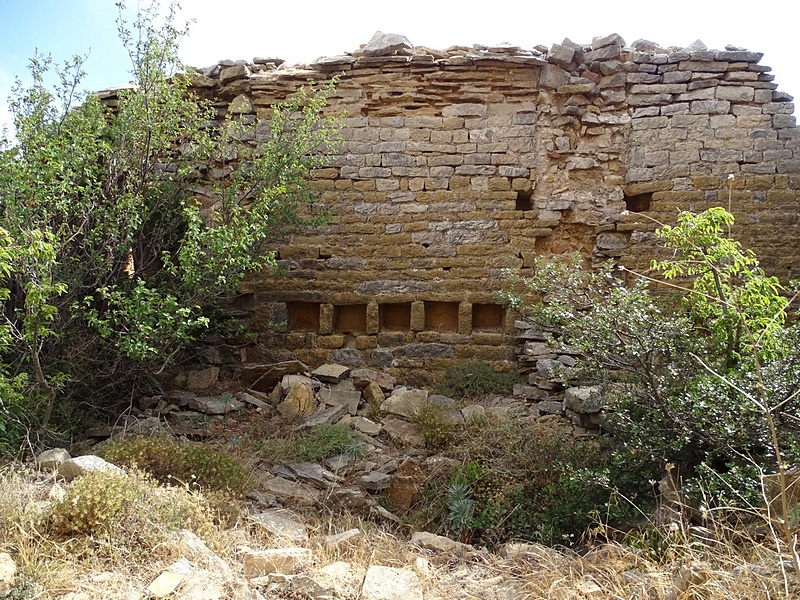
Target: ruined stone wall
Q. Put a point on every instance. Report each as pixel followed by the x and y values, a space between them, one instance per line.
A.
pixel 458 164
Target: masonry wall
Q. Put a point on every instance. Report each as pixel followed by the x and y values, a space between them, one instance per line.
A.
pixel 460 163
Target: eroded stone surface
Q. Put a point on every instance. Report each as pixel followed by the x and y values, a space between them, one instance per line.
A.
pixel 81 465
pixel 389 583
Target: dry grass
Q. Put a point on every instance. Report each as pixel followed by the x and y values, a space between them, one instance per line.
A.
pixel 667 563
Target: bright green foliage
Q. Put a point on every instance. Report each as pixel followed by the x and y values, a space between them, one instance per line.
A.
pixel 729 290
pixel 197 466
pixel 11 387
pixel 699 382
pixel 120 237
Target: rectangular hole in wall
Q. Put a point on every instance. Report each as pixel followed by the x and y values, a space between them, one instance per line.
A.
pixel 524 200
pixel 487 317
pixel 441 316
pixel 303 316
pixel 245 302
pixel 638 202
pixel 395 317
pixel 350 318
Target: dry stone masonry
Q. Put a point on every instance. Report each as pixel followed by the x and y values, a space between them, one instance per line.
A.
pixel 457 164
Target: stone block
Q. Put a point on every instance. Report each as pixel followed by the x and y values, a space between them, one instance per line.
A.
pixel 713 107
pixel 464 110
pixel 326 319
pixel 735 93
pixel 330 373
pixel 284 561
pixel 299 401
pixel 76 467
pixel 330 342
pixel 584 400
pixel 552 77
pixel 417 316
pixel 50 460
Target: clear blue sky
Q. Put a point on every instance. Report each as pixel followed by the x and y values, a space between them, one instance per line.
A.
pixel 62 28
pixel 302 31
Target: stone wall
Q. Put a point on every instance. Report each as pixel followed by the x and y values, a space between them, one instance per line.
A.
pixel 460 163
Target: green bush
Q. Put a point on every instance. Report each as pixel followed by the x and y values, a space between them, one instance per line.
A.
pixel 117 248
pixel 195 465
pixel 470 380
pixel 707 383
pixel 527 481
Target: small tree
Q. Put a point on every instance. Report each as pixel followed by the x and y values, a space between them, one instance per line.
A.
pixel 119 233
pixel 708 382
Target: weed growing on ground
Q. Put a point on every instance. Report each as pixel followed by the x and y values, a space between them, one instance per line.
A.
pixel 473 379
pixel 320 442
pixel 437 430
pixel 197 465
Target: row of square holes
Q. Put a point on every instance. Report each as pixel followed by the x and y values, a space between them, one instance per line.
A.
pixel 352 318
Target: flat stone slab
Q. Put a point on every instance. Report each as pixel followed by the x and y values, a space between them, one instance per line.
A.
pixel 431 541
pixel 330 373
pixel 350 398
pixel 405 403
pixel 307 472
pixel 323 417
pixel 374 482
pixel 285 561
pixel 366 426
pixel 163 585
pixel 282 524
pixel 290 490
pixel 263 378
pixel 403 432
pixel 210 405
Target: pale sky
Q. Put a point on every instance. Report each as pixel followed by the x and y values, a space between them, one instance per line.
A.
pixel 303 30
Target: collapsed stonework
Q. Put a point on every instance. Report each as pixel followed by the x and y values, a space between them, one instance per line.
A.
pixel 460 163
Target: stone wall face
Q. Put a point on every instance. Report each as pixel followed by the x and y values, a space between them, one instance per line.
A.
pixel 461 163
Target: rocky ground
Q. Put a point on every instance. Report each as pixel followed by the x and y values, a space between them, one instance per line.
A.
pixel 321 529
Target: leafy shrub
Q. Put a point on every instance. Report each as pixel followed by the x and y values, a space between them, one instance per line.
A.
pixel 469 380
pixel 111 262
pixel 131 510
pixel 708 383
pixel 460 510
pixel 526 481
pixel 189 464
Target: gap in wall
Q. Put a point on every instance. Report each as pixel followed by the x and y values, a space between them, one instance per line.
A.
pixel 303 316
pixel 441 316
pixel 395 317
pixel 350 318
pixel 487 317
